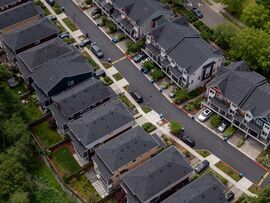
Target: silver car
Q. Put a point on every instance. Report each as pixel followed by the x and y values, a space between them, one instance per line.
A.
pixel 205 115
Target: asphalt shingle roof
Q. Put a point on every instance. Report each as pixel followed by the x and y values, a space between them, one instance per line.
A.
pixel 81 96
pixel 51 73
pixel 156 174
pixel 17 14
pixel 100 121
pixel 206 189
pixel 125 148
pixel 141 10
pixel 44 52
pixel 29 34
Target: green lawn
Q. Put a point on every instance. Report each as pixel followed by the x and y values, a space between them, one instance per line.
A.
pixel 45 187
pixel 46 134
pixel 148 127
pixel 126 101
pixel 59 26
pixel 70 24
pixel 146 109
pixel 85 189
pixel 65 162
pixel 57 9
pixel 228 170
pixel 46 11
pixel 20 89
pixel 107 65
pixel 107 80
pixel 117 76
pixel 32 108
pixel 91 60
pixel 204 153
pixel 254 189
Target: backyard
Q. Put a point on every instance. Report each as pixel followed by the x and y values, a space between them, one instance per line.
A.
pixel 32 108
pixel 46 134
pixel 65 162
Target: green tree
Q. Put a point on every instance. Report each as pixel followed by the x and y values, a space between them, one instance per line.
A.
pixel 19 197
pixel 181 95
pixel 175 127
pixel 88 2
pixel 266 3
pixel 149 65
pixel 235 6
pixel 215 121
pixel 255 15
pixel 157 74
pixel 252 45
pixel 223 34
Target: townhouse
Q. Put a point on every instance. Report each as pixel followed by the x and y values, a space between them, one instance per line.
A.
pixel 19 16
pixel 98 126
pixel 8 4
pixel 153 180
pixel 72 103
pixel 124 153
pixel 204 189
pixel 58 75
pixel 29 60
pixel 188 60
pixel 242 97
pixel 27 37
pixel 134 17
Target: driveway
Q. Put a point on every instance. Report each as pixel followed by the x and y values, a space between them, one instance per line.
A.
pixel 210 17
pixel 203 137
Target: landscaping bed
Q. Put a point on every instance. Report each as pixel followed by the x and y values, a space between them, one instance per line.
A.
pixel 57 9
pixel 91 60
pixel 203 153
pixel 107 65
pixel 47 134
pixel 32 108
pixel 107 80
pixel 70 24
pixel 228 170
pixel 84 188
pixel 148 127
pixel 229 131
pixel 126 101
pixel 146 109
pixel 65 162
pixel 264 158
pixel 59 26
pixel 117 76
pixel 46 11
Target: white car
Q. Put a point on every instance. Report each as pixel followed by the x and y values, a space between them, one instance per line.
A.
pixel 204 115
pixel 225 124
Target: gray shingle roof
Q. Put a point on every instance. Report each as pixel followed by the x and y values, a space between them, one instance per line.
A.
pixel 236 82
pixel 183 44
pixel 100 121
pixel 18 14
pixel 125 148
pixel 51 73
pixel 30 34
pixel 141 10
pixel 206 189
pixel 81 96
pixel 154 175
pixel 44 52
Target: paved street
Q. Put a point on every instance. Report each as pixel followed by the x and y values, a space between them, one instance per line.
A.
pixel 210 17
pixel 203 137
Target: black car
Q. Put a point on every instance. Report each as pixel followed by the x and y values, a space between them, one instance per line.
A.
pixel 97 51
pixel 186 139
pixel 201 166
pixel 96 11
pixel 229 196
pixel 85 42
pixel 64 35
pixel 138 98
pixel 50 2
pixel 138 58
pixel 197 12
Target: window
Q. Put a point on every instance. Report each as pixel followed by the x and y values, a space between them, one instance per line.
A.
pixel 259 122
pixel 199 77
pixel 266 127
pixel 248 115
pixel 70 83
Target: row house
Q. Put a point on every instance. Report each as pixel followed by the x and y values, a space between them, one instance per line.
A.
pixel 188 60
pixel 242 97
pixel 124 153
pixel 134 17
pixel 8 4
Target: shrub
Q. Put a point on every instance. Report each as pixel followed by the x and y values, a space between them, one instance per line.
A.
pixel 88 2
pixel 186 12
pixel 197 103
pixel 148 127
pixel 133 47
pixel 121 36
pixel 190 107
pixel 175 127
pixel 215 121
pixel 181 95
pixel 206 32
pixel 112 27
pixel 240 142
pixel 107 81
pixel 69 40
pixel 126 101
pixel 149 65
pixel 229 131
pixel 103 20
pixel 157 74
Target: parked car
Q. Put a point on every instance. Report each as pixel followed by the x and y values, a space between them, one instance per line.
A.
pixel 64 35
pixel 99 73
pixel 97 51
pixel 201 166
pixel 139 57
pixel 186 139
pixel 85 42
pixel 197 12
pixel 225 124
pixel 229 196
pixel 50 2
pixel 52 18
pixel 172 94
pixel 96 11
pixel 205 115
pixel 147 59
pixel 138 98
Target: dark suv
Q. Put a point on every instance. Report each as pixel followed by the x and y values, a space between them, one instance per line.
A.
pixel 186 139
pixel 97 51
pixel 138 98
